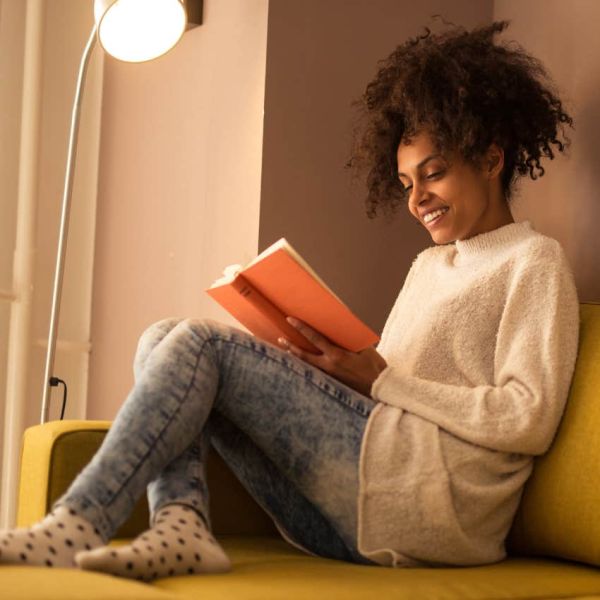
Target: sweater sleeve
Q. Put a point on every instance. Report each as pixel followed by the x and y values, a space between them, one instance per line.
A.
pixel 536 349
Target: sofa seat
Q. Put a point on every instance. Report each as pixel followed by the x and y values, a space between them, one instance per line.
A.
pixel 33 583
pixel 268 568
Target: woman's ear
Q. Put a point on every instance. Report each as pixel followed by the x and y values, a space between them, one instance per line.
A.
pixel 494 160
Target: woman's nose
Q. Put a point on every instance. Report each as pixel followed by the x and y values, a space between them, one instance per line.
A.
pixel 417 195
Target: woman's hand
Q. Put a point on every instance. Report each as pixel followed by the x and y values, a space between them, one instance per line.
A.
pixel 358 370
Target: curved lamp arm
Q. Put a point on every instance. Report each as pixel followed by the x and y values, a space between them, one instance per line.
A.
pixel 64 224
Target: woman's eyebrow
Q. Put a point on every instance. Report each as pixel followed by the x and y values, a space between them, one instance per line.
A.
pixel 430 157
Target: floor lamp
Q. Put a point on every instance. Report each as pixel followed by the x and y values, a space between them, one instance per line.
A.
pixel 132 31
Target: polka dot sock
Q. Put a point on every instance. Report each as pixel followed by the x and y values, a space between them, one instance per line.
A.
pixel 178 543
pixel 52 542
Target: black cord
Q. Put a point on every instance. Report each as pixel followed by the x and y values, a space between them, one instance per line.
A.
pixel 54 381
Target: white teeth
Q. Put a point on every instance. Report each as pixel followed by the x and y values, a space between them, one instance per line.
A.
pixel 432 215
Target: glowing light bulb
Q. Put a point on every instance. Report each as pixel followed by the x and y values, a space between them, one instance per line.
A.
pixel 139 30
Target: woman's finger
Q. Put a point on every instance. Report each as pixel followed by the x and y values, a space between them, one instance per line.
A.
pixel 313 336
pixel 292 349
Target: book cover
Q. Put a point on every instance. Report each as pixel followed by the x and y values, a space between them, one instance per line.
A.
pixel 280 283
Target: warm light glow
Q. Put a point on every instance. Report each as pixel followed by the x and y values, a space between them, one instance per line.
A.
pixel 140 30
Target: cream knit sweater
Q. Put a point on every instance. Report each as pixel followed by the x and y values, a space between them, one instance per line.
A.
pixel 481 346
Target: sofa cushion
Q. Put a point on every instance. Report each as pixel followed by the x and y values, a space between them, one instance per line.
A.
pixel 559 514
pixel 267 568
pixel 31 583
pixel 270 569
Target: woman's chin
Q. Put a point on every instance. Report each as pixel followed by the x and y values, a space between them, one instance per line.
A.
pixel 441 237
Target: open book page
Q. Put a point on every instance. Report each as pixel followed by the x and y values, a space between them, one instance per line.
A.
pixel 228 276
pixel 231 271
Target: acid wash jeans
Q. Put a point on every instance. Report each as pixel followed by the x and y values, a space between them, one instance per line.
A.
pixel 289 432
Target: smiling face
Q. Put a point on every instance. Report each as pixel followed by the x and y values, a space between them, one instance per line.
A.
pixel 471 198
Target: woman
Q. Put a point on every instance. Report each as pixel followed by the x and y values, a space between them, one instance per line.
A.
pixel 413 453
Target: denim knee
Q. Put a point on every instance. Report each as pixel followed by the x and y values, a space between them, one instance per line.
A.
pixel 157 330
pixel 151 336
pixel 206 328
pixel 200 328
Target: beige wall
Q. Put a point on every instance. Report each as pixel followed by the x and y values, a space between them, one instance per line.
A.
pixel 320 57
pixel 179 185
pixel 565 202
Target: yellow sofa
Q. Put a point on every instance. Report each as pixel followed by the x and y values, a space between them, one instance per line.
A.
pixel 554 545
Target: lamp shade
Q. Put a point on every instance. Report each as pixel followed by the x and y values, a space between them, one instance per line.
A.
pixel 139 30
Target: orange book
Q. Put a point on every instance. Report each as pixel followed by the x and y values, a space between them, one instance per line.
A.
pixel 279 283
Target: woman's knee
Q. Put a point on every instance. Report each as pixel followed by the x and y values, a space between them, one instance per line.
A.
pixel 150 338
pixel 158 330
pixel 205 327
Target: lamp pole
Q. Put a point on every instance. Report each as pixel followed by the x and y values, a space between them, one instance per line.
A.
pixel 64 225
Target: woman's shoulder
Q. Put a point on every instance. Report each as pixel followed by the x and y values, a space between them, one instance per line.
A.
pixel 540 265
pixel 541 250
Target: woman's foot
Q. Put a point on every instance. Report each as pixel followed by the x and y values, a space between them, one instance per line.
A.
pixel 179 543
pixel 52 542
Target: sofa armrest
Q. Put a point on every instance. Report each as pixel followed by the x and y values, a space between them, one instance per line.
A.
pixel 43 464
pixel 54 453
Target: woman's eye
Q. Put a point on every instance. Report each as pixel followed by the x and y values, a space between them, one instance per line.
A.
pixel 407 188
pixel 434 174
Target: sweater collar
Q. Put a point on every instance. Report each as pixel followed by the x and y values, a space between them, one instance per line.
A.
pixel 491 240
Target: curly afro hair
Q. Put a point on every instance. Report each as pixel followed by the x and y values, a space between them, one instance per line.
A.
pixel 466 91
